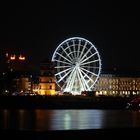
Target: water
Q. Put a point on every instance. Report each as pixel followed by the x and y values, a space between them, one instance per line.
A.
pixel 41 120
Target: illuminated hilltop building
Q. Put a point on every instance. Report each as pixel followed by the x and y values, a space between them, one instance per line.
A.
pixel 16 62
pixel 46 78
pixel 17 75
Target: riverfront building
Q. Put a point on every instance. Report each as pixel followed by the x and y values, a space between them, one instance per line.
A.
pixel 46 79
pixel 118 85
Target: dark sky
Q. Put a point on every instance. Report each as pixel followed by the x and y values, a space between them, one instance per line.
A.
pixel 36 29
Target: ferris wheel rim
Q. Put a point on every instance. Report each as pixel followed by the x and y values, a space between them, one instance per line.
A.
pixel 92 45
pixel 71 38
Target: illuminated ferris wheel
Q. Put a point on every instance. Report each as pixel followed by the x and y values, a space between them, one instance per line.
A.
pixel 77 65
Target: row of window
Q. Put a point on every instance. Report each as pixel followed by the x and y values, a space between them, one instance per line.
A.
pixel 40 87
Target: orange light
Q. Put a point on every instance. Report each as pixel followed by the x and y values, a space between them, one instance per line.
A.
pixel 12 57
pixel 21 57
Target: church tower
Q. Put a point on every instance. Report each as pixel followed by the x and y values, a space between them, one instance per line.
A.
pixel 46 78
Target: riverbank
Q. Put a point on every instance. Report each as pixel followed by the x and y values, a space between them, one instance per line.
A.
pixel 63 102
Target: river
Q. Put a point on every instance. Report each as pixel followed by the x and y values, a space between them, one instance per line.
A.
pixel 41 120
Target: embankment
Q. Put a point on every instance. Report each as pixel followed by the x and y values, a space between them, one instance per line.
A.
pixel 63 102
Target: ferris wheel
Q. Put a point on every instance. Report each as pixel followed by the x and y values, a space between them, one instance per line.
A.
pixel 77 65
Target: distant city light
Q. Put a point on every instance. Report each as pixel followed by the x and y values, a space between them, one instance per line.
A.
pixel 15 57
pixel 21 57
pixel 12 57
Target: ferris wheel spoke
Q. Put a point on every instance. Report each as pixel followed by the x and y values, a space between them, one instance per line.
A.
pixel 69 80
pixel 72 81
pixel 89 79
pixel 59 67
pixel 66 53
pixel 90 67
pixel 63 57
pixel 82 52
pixel 74 54
pixel 64 76
pixel 76 84
pixel 84 81
pixel 93 84
pixel 73 57
pixel 86 53
pixel 64 85
pixel 68 46
pixel 89 72
pixel 79 44
pixel 80 81
pixel 90 62
pixel 63 62
pixel 86 75
pixel 74 48
pixel 88 57
pixel 62 71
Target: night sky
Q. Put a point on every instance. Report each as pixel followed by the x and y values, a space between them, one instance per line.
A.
pixel 36 29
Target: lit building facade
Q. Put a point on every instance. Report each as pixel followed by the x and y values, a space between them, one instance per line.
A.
pixel 116 85
pixel 17 77
pixel 16 62
pixel 47 83
pixel 23 84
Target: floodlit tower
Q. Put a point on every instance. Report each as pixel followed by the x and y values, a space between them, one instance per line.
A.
pixel 46 78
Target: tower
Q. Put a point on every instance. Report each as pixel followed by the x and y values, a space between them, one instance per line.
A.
pixel 46 78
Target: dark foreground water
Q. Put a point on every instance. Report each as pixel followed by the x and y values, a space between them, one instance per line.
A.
pixel 42 120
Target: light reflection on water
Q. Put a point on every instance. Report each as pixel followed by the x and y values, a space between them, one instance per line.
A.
pixel 76 119
pixel 42 120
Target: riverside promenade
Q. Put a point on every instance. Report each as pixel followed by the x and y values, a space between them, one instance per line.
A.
pixel 63 102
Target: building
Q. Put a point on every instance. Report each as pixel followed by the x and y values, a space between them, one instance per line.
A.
pixel 46 78
pixel 118 85
pixel 16 77
pixel 16 62
pixel 23 84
